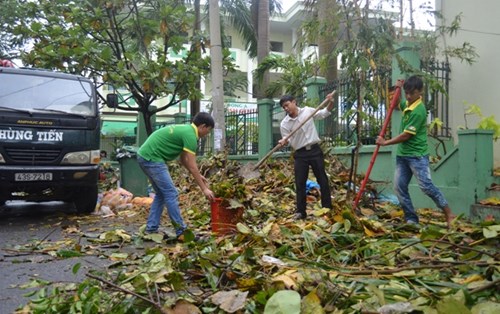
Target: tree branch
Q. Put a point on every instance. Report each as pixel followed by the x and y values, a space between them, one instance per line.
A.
pixel 114 286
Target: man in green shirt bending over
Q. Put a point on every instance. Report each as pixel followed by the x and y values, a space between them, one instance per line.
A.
pixel 412 157
pixel 164 145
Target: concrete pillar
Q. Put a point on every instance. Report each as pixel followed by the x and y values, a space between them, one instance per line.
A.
pixel 475 162
pixel 314 86
pixel 408 51
pixel 265 113
pixel 180 118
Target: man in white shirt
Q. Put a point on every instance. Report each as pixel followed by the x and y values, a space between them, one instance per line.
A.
pixel 307 152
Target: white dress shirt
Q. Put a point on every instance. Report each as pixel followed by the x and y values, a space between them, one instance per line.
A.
pixel 307 135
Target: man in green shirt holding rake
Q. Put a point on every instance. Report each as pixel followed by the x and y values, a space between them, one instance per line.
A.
pixel 412 157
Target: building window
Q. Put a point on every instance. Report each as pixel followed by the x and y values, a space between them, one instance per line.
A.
pixel 276 46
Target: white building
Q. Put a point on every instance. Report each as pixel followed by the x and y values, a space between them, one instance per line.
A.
pixel 470 84
pixel 476 83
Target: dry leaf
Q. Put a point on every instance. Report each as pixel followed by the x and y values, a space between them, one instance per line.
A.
pixel 184 307
pixel 230 301
pixel 288 281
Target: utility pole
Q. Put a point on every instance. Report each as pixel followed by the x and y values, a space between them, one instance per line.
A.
pixel 216 74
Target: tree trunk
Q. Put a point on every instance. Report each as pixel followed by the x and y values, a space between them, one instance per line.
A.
pixel 217 81
pixel 195 102
pixel 327 14
pixel 263 43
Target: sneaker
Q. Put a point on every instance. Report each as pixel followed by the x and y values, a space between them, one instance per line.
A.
pixel 299 216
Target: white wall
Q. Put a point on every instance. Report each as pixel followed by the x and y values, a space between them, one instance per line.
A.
pixel 478 83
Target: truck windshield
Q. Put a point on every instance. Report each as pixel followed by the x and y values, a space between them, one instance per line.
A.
pixel 39 93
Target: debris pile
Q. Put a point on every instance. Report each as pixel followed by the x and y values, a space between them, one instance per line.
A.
pixel 335 261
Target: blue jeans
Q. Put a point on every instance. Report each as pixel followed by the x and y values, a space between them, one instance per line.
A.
pixel 166 195
pixel 406 167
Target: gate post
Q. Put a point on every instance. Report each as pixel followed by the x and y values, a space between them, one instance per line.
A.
pixel 313 85
pixel 265 113
pixel 475 151
pixel 180 117
pixel 408 51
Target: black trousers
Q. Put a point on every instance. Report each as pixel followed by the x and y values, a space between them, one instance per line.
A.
pixel 313 158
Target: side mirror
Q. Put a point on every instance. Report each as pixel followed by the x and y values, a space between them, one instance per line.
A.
pixel 112 100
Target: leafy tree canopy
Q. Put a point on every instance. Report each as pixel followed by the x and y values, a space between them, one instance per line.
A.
pixel 132 44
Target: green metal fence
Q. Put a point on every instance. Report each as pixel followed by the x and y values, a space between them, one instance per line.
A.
pixel 340 128
pixel 241 134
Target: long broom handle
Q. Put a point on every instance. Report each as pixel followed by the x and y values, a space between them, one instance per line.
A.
pixel 275 148
pixel 394 102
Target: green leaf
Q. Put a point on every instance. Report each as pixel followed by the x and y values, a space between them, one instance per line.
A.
pixel 473 109
pixel 489 233
pixel 234 204
pixel 68 253
pixel 451 305
pixel 312 304
pixel 156 237
pixel 336 227
pixel 76 268
pixel 119 256
pixel 347 225
pixel 487 307
pixel 243 228
pixel 283 302
pixel 377 293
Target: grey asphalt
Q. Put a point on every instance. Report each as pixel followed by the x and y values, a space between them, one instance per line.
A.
pixel 22 224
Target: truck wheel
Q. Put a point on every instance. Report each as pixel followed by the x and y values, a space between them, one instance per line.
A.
pixel 3 198
pixel 85 199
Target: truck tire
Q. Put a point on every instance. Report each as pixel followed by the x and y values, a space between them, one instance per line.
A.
pixel 3 198
pixel 85 199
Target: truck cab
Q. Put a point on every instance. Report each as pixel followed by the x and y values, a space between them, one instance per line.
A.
pixel 49 137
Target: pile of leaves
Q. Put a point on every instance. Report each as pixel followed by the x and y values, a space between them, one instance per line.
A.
pixel 336 261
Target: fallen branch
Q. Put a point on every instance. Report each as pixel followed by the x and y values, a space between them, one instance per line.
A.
pixel 486 287
pixel 494 255
pixel 343 272
pixel 399 250
pixel 43 239
pixel 109 283
pixel 397 270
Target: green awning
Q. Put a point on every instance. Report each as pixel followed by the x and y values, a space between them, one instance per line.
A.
pixel 118 128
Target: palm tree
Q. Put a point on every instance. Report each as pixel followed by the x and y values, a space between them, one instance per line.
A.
pixel 263 41
pixel 244 16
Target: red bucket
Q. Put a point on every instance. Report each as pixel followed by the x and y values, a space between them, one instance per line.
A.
pixel 224 219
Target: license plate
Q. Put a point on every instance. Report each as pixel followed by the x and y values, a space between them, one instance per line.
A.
pixel 47 176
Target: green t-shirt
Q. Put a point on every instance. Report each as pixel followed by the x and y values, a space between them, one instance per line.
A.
pixel 414 122
pixel 167 143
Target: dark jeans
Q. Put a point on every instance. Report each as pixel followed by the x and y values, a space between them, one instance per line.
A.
pixel 313 158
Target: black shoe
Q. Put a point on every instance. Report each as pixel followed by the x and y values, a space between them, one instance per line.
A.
pixel 299 216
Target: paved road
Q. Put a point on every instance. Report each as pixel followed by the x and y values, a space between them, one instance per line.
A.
pixel 21 226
